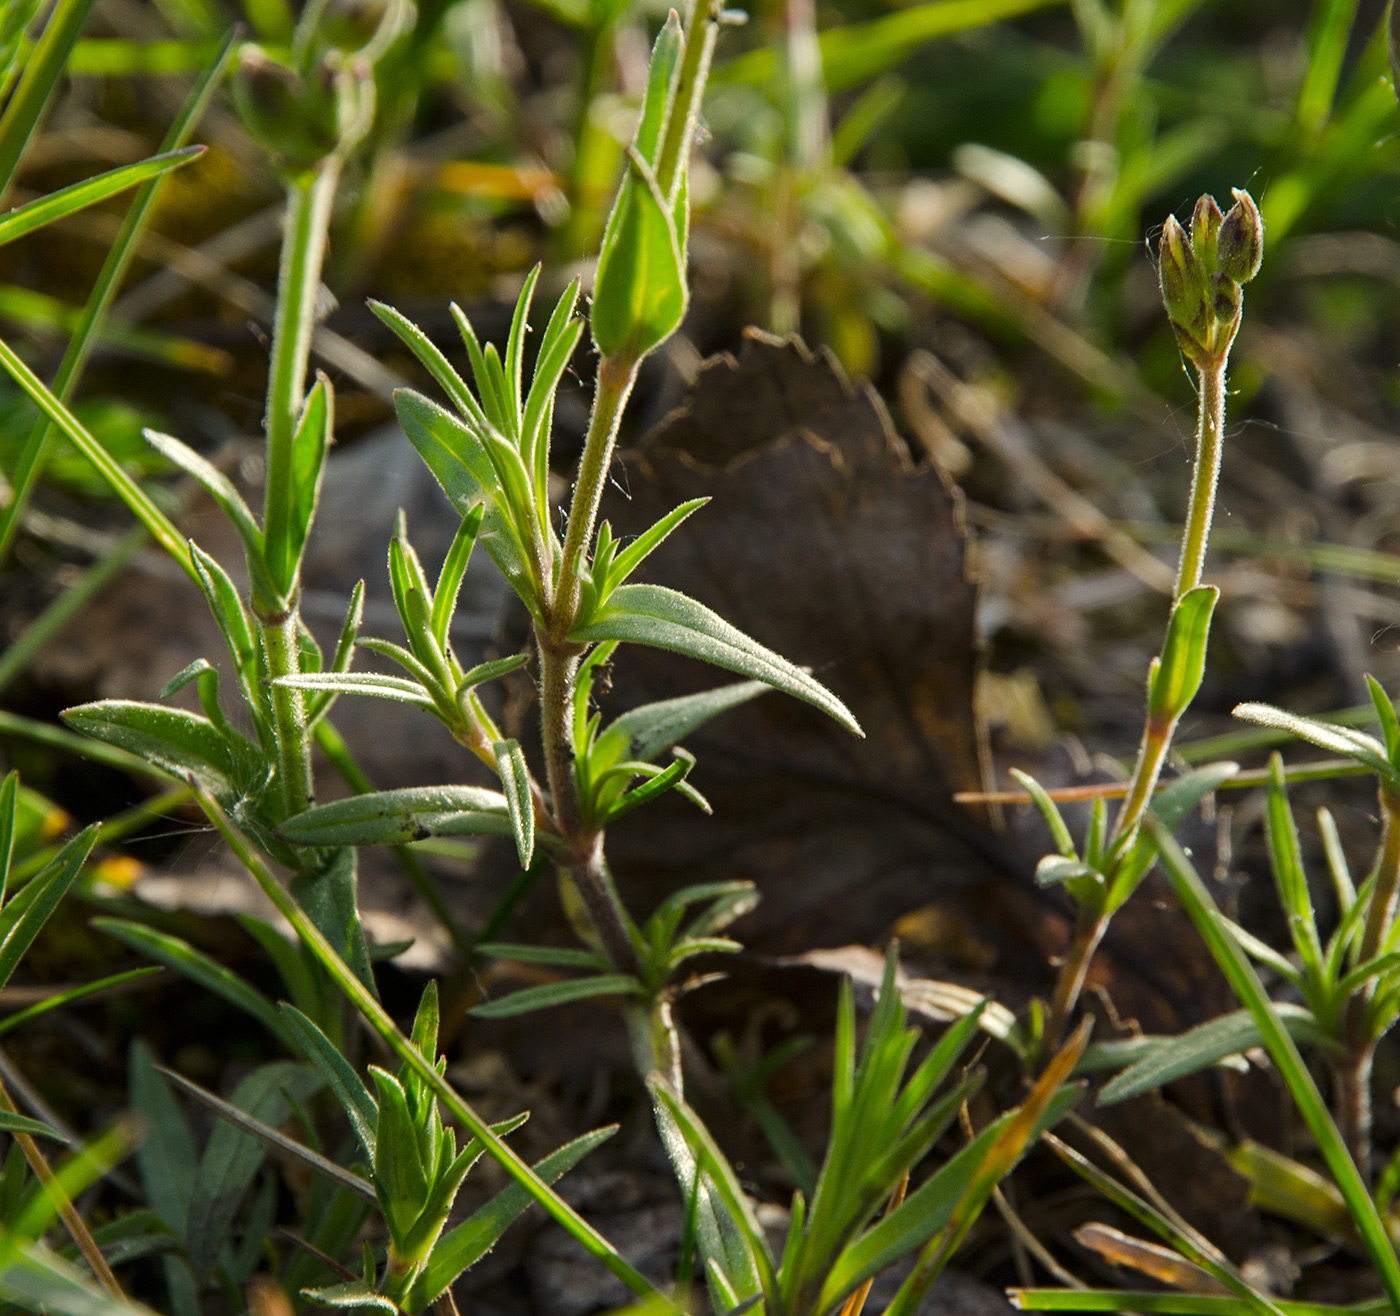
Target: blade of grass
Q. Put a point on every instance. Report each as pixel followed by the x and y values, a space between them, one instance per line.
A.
pixel 136 498
pixel 29 464
pixel 378 1019
pixel 41 72
pixel 1283 1051
pixel 46 209
pixel 1168 1304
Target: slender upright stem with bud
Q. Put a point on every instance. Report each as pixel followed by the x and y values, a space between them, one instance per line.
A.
pixel 1201 277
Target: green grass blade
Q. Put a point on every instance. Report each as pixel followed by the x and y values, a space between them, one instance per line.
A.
pixel 1284 1052
pixel 198 967
pixel 58 999
pixel 46 209
pixel 30 463
pixel 48 889
pixel 1167 1304
pixel 41 74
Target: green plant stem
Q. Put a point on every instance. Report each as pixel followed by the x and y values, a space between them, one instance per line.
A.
pixel 616 376
pixel 1157 734
pixel 559 668
pixel 1210 442
pixel 281 644
pixel 1351 1102
pixel 1089 927
pixel 63 1204
pixel 306 226
pixel 55 618
pixel 378 1019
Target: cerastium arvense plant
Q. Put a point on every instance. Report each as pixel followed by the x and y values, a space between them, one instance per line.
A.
pixel 1202 275
pixel 310 106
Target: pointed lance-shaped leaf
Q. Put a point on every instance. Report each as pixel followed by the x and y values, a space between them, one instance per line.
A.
pixel 401 816
pixel 666 619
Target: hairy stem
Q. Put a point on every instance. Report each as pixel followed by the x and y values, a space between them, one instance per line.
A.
pixel 1210 442
pixel 616 376
pixel 1157 734
pixel 1089 927
pixel 1351 1101
pixel 306 225
pixel 280 642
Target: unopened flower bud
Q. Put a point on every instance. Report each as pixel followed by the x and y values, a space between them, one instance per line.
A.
pixel 1240 246
pixel 1185 290
pixel 1226 301
pixel 295 118
pixel 1205 225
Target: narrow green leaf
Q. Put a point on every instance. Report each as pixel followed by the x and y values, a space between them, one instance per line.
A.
pixel 286 538
pixel 1385 714
pixel 147 512
pixel 60 999
pixel 166 1156
pixel 232 1157
pixel 9 805
pixel 199 968
pixel 397 817
pixel 558 993
pixel 454 569
pixel 177 742
pixel 433 361
pixel 272 1138
pixel 361 683
pixel 465 1245
pixel 360 1107
pixel 1286 859
pixel 1337 739
pixel 567 957
pixel 1050 811
pixel 665 619
pixel 490 671
pixel 515 784
pixel 1171 1058
pixel 12 1123
pixel 515 348
pixel 1177 680
pixel 35 214
pixel 357 1295
pixel 1054 869
pixel 631 557
pixel 27 912
pixel 399 1173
